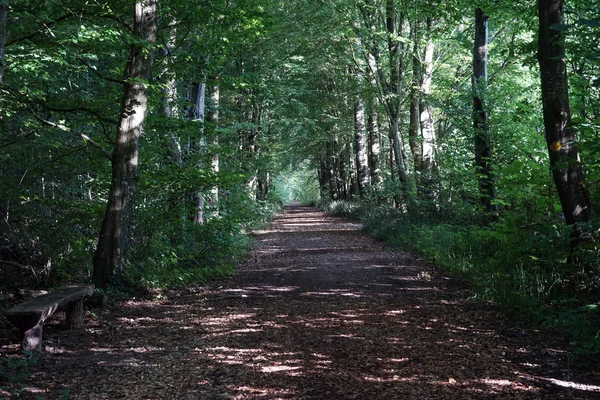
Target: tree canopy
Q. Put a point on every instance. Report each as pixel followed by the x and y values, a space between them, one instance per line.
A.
pixel 140 140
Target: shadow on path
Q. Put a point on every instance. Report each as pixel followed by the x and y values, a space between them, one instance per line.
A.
pixel 319 311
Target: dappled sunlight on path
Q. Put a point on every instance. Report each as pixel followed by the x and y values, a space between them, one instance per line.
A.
pixel 319 311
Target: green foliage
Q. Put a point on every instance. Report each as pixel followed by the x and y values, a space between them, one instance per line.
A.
pixel 289 73
pixel 14 372
pixel 298 185
pixel 581 322
pixel 172 251
pixel 347 209
pixel 202 254
pixel 58 114
pixel 527 269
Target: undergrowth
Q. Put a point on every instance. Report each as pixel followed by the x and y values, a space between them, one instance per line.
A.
pixel 163 256
pixel 196 254
pixel 14 370
pixel 528 270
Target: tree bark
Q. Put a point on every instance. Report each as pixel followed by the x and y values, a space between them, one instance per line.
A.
pixel 347 171
pixel 390 91
pixel 263 187
pixel 363 177
pixel 427 124
pixel 414 125
pixel 394 29
pixel 374 145
pixel 118 219
pixel 560 135
pixel 199 96
pixel 252 147
pixel 483 150
pixel 333 170
pixel 373 130
pixel 3 22
pixel 212 118
pixel 324 179
pixel 170 109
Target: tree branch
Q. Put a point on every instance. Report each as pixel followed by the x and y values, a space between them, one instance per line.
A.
pixel 98 74
pixel 14 264
pixel 43 26
pixel 64 128
pixel 82 109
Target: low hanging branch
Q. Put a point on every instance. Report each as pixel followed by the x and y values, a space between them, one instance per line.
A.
pixel 85 137
pixel 27 267
pixel 42 28
pixel 99 75
pixel 86 110
pixel 14 264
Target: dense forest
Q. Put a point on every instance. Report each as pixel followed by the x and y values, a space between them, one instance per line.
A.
pixel 140 141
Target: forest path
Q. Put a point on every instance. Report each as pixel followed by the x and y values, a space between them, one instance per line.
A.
pixel 319 311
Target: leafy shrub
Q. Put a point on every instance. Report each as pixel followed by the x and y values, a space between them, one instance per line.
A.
pixel 173 251
pixel 347 209
pixel 526 268
pixel 14 371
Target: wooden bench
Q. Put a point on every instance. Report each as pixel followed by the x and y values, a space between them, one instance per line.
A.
pixel 29 317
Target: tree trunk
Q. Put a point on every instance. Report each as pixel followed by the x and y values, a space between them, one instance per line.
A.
pixel 170 109
pixel 3 22
pixel 414 125
pixel 374 145
pixel 199 96
pixel 363 177
pixel 252 147
pixel 427 125
pixel 560 136
pixel 118 219
pixel 324 178
pixel 395 49
pixel 373 127
pixel 399 154
pixel 394 29
pixel 348 168
pixel 263 185
pixel 390 91
pixel 339 173
pixel 4 203
pixel 212 118
pixel 483 151
pixel 333 170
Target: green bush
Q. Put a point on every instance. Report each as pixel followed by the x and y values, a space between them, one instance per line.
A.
pixel 527 269
pixel 172 251
pixel 14 371
pixel 346 209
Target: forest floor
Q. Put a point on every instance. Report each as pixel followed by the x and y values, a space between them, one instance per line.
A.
pixel 319 311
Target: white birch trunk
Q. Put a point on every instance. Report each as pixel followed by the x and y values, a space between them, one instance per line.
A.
pixel 199 115
pixel 170 109
pixel 374 146
pixel 375 155
pixel 427 124
pixel 213 117
pixel 363 177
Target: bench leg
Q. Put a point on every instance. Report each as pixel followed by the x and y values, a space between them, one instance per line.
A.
pixel 31 339
pixel 75 315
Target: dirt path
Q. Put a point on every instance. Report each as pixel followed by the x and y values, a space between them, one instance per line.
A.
pixel 320 311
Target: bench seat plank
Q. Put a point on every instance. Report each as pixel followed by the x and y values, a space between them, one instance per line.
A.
pixel 29 317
